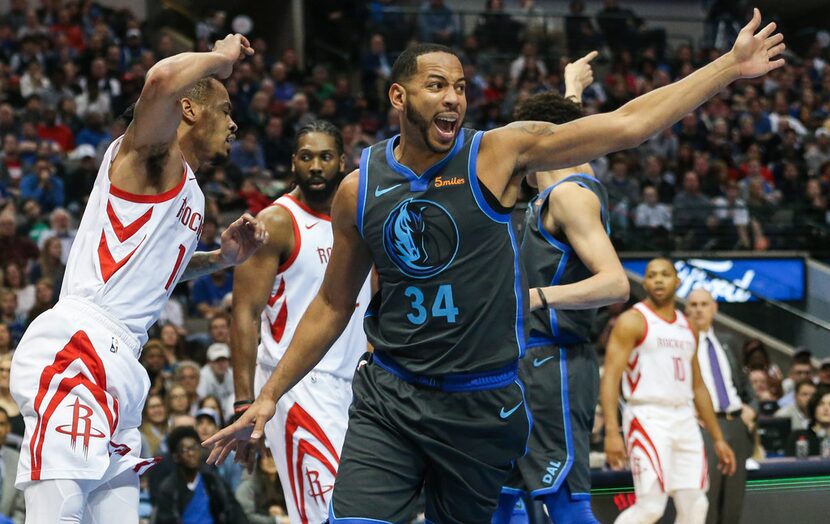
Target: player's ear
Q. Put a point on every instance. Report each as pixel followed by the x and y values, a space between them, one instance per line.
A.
pixel 292 163
pixel 189 111
pixel 343 163
pixel 397 96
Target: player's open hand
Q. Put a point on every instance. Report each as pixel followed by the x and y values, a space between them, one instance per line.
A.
pixel 615 451
pixel 579 74
pixel 242 239
pixel 247 430
pixel 233 47
pixel 754 53
pixel 726 458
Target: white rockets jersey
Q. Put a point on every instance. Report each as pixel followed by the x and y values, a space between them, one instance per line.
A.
pixel 659 369
pixel 131 250
pixel 296 284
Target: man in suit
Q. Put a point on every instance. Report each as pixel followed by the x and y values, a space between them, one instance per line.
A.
pixel 12 503
pixel 731 397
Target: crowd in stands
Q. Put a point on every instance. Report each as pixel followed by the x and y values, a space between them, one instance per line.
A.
pixel 750 170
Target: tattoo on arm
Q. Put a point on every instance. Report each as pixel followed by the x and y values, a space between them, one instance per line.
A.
pixel 203 263
pixel 537 128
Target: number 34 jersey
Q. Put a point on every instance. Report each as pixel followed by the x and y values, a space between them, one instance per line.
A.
pixel 131 250
pixel 452 296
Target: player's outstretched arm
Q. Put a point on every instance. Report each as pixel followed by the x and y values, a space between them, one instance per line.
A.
pixel 157 112
pixel 577 212
pixel 540 146
pixel 323 322
pixel 706 412
pixel 629 328
pixel 238 242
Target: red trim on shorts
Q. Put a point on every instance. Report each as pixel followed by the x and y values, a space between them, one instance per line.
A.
pixel 298 240
pixel 298 418
pixel 150 199
pixel 637 443
pixel 78 347
pixel 307 209
pixel 145 465
pixel 704 478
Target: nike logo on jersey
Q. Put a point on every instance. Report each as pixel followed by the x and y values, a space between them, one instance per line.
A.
pixel 505 414
pixel 381 192
pixel 309 226
pixel 538 362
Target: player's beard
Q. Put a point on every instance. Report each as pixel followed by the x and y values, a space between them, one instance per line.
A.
pixel 423 125
pixel 319 195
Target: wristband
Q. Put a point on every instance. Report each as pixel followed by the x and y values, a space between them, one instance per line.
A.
pixel 542 298
pixel 241 405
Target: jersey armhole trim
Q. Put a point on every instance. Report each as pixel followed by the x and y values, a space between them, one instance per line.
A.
pixel 564 247
pixel 144 199
pixel 645 331
pixel 298 240
pixel 363 181
pixel 472 175
pixel 307 209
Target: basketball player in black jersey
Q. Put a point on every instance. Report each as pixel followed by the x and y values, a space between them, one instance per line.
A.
pixel 572 269
pixel 439 408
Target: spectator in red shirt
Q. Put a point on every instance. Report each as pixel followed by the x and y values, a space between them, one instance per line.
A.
pixel 50 129
pixel 254 199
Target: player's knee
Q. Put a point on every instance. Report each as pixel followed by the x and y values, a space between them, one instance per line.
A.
pixel 650 509
pixel 692 506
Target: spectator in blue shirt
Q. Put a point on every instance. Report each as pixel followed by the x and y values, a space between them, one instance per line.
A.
pixel 94 132
pixel 246 154
pixel 194 493
pixel 208 240
pixel 284 90
pixel 208 292
pixel 437 24
pixel 43 186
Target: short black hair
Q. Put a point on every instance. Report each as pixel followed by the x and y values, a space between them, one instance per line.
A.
pixel 548 107
pixel 177 435
pixel 199 91
pixel 406 64
pixel 803 356
pixel 666 259
pixel 320 126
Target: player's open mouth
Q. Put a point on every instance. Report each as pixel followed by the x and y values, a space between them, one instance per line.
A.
pixel 230 138
pixel 317 184
pixel 446 125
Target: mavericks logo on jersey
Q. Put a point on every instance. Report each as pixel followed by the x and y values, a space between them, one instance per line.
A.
pixel 420 237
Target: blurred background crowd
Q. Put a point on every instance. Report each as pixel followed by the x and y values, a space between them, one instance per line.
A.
pixel 750 170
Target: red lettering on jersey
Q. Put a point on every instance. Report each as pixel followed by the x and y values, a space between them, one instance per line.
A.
pixel 188 218
pixel 324 254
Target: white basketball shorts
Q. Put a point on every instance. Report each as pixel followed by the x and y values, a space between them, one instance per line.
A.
pixel 77 380
pixel 306 437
